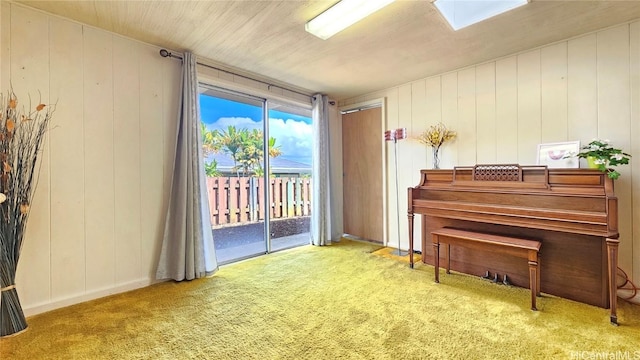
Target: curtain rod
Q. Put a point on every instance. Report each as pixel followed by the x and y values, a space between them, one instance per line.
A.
pixel 360 108
pixel 167 53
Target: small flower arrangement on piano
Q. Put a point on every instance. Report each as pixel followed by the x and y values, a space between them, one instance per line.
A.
pixel 435 136
pixel 602 156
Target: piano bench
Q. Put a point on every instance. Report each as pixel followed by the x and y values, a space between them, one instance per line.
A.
pixel 523 248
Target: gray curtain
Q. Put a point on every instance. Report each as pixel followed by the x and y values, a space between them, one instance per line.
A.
pixel 321 195
pixel 187 247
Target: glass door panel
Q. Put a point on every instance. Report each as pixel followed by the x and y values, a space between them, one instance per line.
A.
pixel 290 137
pixel 233 140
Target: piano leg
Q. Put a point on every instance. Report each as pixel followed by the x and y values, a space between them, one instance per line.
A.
pixel 410 215
pixel 447 254
pixel 612 252
pixel 538 279
pixel 436 257
pixel 533 282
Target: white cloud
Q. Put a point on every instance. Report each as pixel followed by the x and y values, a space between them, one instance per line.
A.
pixel 293 137
pixel 239 122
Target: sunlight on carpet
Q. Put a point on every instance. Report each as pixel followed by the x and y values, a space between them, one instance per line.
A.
pixel 350 300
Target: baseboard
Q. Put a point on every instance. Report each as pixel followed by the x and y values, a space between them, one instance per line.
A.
pixel 87 296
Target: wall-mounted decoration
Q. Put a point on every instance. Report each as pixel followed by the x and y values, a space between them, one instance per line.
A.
pixel 559 155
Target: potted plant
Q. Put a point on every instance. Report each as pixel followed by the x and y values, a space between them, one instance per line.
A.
pixel 602 156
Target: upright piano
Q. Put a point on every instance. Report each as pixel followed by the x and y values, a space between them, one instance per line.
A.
pixel 573 212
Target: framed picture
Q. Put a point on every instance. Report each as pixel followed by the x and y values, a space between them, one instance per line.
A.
pixel 554 154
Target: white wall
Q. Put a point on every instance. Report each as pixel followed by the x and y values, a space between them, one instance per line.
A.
pixel 585 87
pixel 98 214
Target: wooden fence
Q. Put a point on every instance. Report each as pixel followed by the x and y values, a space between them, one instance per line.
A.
pixel 240 199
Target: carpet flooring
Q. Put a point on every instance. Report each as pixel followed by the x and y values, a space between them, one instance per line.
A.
pixel 350 300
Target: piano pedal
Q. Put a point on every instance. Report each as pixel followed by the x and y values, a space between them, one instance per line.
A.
pixel 505 280
pixel 495 279
pixel 487 275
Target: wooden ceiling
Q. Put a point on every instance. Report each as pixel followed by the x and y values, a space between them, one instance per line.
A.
pixel 405 41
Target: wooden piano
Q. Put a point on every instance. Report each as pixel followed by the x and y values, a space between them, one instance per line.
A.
pixel 573 212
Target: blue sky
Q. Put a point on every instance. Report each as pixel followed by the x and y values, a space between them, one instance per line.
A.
pixel 292 132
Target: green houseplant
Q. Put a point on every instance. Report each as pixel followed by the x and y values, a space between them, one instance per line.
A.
pixel 602 156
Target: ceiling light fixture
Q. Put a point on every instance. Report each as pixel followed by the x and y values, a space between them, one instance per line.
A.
pixel 342 15
pixel 462 13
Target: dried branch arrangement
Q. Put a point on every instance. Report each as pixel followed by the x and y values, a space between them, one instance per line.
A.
pixel 21 137
pixel 435 136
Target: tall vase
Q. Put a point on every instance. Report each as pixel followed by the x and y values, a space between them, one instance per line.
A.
pixel 436 158
pixel 12 320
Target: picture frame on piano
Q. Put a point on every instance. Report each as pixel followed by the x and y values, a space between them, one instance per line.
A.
pixel 554 155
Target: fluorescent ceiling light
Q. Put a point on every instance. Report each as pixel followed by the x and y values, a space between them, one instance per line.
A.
pixel 342 15
pixel 462 13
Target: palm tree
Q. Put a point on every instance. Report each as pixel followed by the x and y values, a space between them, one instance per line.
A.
pixel 245 148
pixel 231 142
pixel 209 144
pixel 252 153
pixel 211 169
pixel 274 151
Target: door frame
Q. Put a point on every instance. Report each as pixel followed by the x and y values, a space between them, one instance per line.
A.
pixel 364 105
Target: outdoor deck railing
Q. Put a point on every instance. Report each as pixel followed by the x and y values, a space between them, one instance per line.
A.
pixel 240 199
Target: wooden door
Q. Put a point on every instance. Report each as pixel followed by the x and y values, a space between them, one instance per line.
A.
pixel 362 146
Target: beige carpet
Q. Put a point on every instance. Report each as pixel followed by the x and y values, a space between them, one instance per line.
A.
pixel 344 301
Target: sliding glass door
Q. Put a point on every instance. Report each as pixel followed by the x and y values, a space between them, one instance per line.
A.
pixel 290 175
pixel 258 176
pixel 233 138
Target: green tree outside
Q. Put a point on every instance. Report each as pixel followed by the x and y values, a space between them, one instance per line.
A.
pixel 244 147
pixel 209 146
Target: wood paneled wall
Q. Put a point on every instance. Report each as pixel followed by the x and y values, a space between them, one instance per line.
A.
pixel 578 89
pixel 98 213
